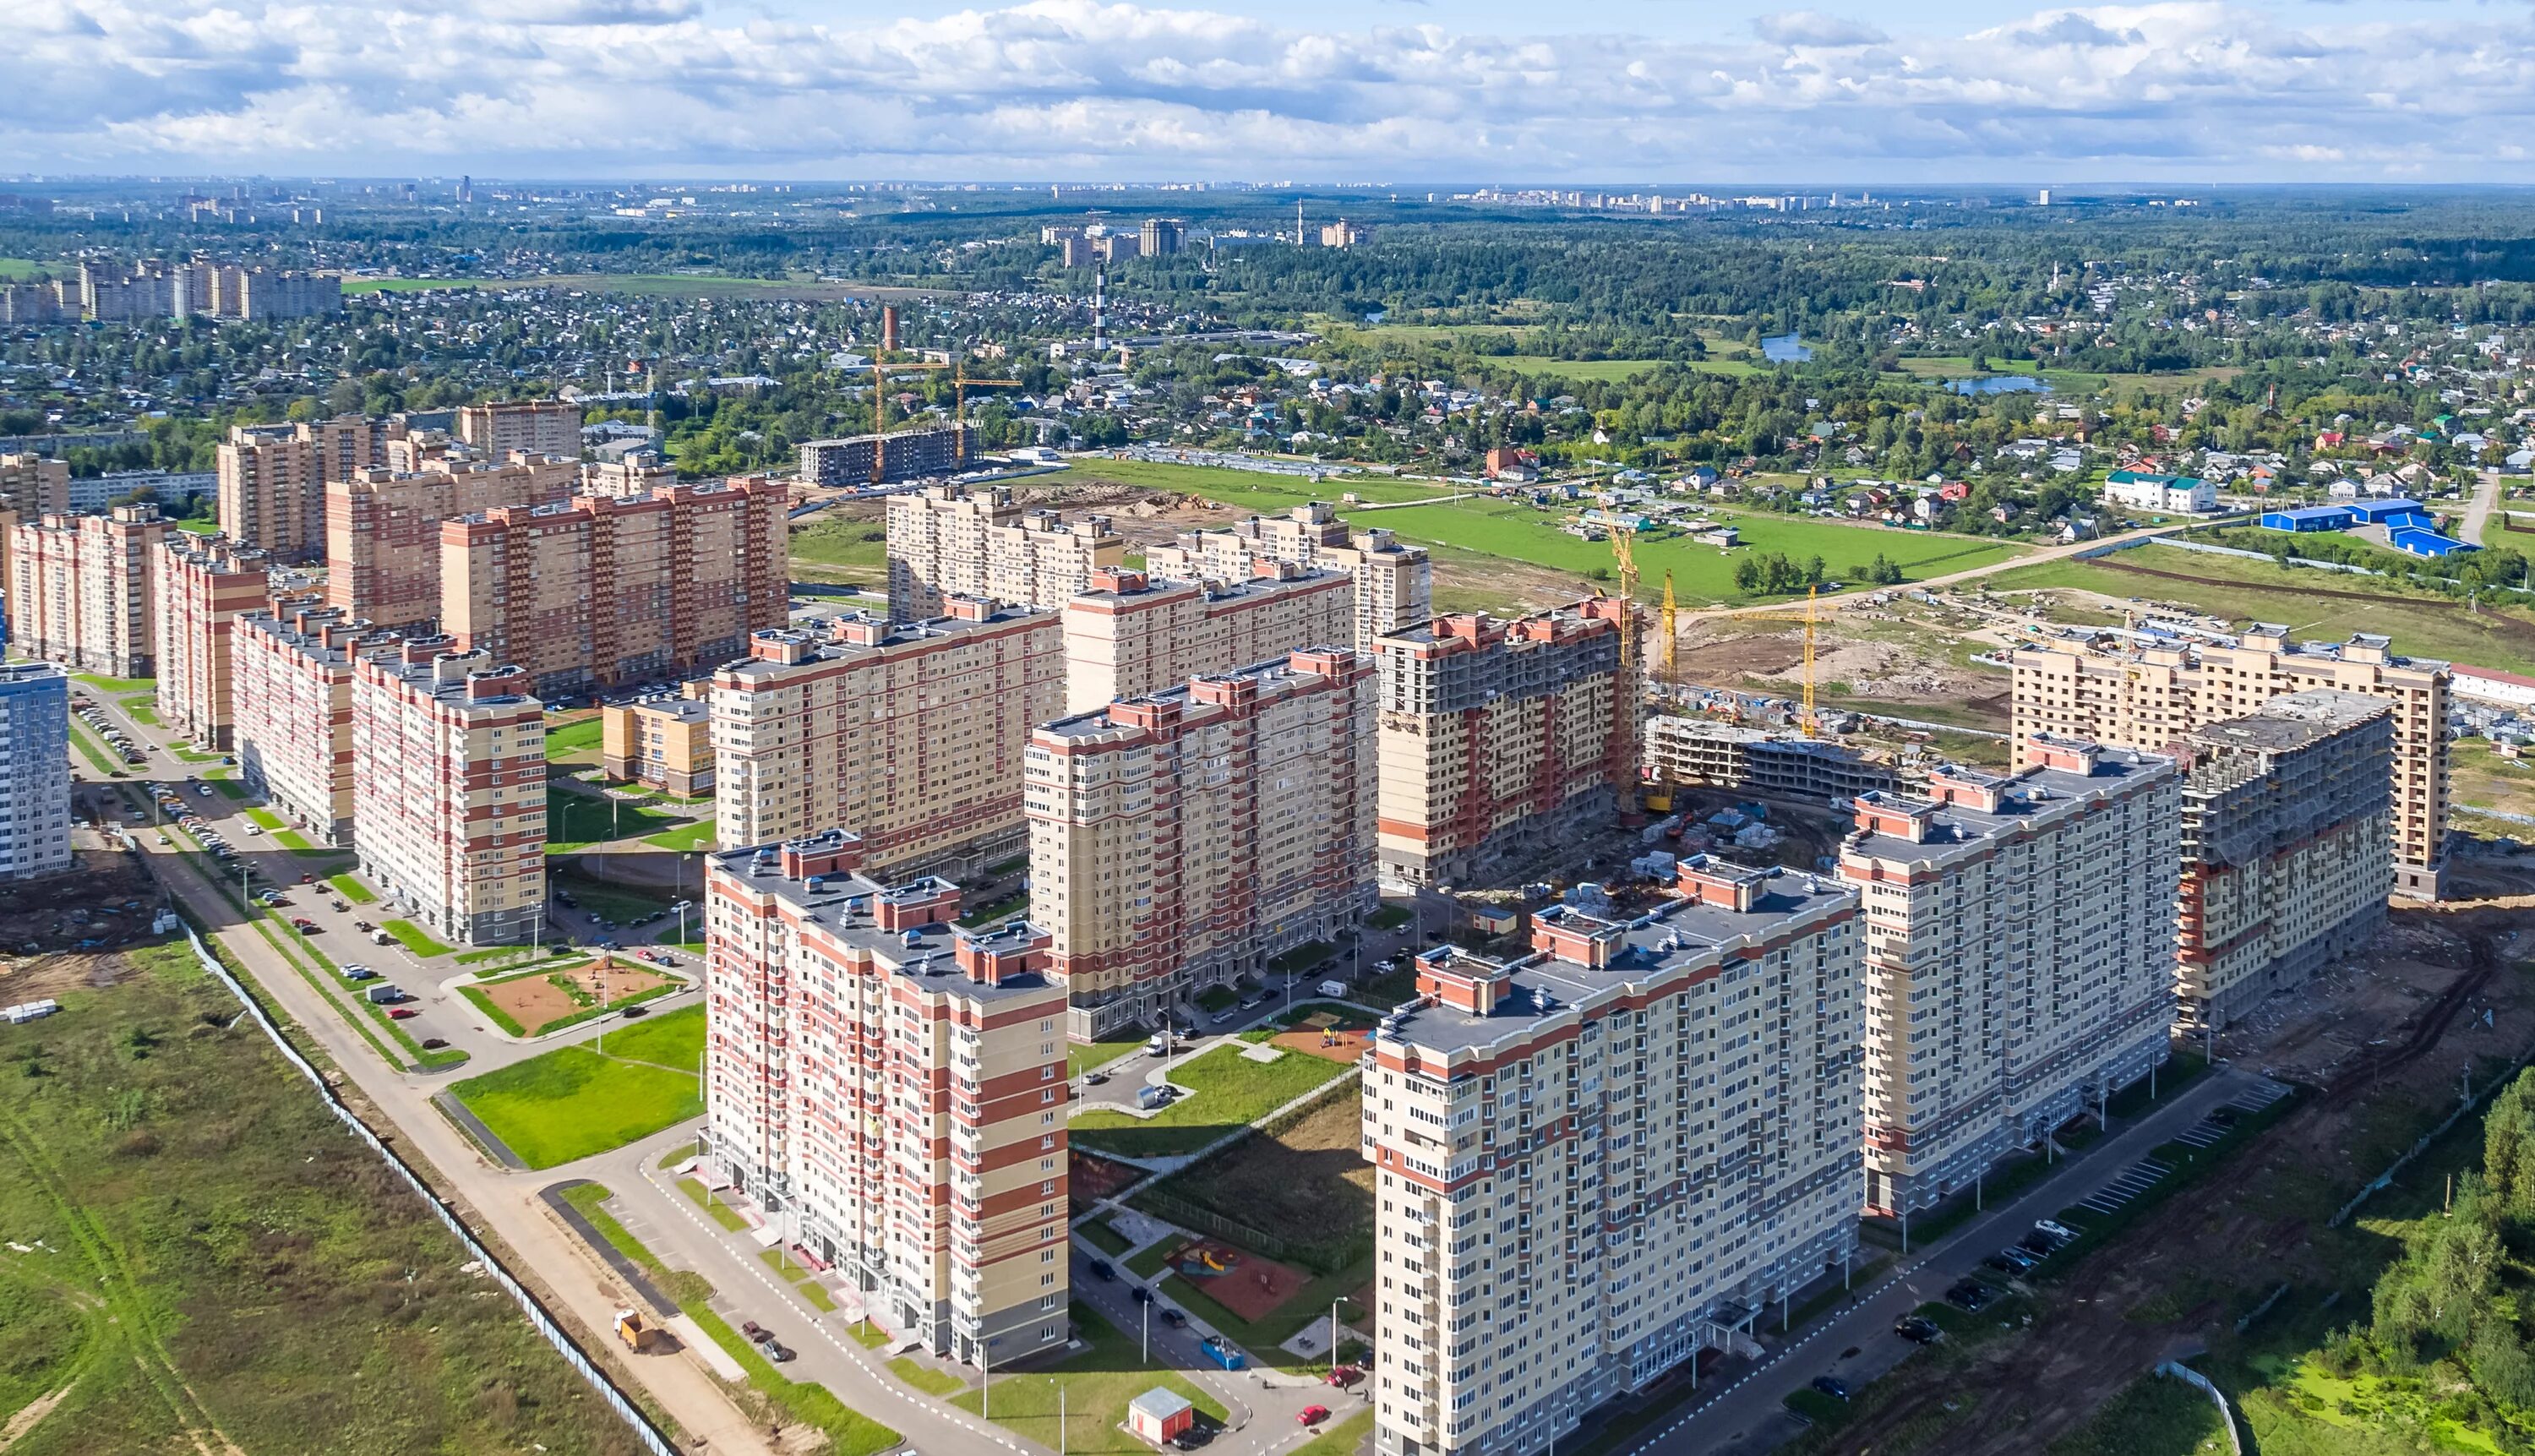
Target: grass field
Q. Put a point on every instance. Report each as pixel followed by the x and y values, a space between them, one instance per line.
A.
pixel 1306 1182
pixel 1092 1054
pixel 576 821
pixel 414 939
pixel 841 550
pixel 2481 777
pixel 581 736
pixel 2421 623
pixel 1097 1382
pixel 697 835
pixel 19 269
pixel 1602 369
pixel 116 685
pixel 213 1263
pixel 571 1103
pixel 353 286
pixel 2156 1416
pixel 352 890
pixel 1229 1093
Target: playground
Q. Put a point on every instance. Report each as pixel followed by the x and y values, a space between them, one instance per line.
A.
pixel 1325 1035
pixel 1249 1286
pixel 544 999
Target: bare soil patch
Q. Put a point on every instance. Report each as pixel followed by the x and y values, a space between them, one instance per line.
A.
pixel 1240 1281
pixel 537 1001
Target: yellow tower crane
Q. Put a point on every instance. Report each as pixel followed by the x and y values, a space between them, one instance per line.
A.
pixel 1625 692
pixel 1659 787
pixel 1812 724
pixel 960 384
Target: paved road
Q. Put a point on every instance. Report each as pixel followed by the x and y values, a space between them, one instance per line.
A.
pixel 1749 1417
pixel 2486 496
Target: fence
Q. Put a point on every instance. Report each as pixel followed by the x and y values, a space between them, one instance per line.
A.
pixel 2464 1107
pixel 646 1432
pixel 2186 1373
pixel 1321 1257
pixel 2212 549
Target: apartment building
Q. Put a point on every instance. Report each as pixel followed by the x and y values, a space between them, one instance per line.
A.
pixel 604 589
pixel 449 790
pixel 530 427
pixel 1395 583
pixel 290 690
pixel 202 585
pixel 34 485
pixel 886 458
pixel 273 479
pixel 1131 634
pixel 1600 1157
pixel 80 590
pixel 2134 691
pixel 946 542
pixel 891 1090
pixel 667 745
pixel 1725 755
pixel 1497 739
pixel 1183 840
pixel 2286 856
pixel 34 769
pixel 382 528
pixel 2019 956
pixel 913 733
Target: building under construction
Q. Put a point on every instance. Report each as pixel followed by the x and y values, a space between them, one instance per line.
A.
pixel 1698 750
pixel 2286 856
pixel 886 458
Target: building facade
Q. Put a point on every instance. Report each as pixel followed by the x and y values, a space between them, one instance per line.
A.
pixel 202 586
pixel 1395 583
pixel 1724 755
pixel 913 733
pixel 886 458
pixel 1131 635
pixel 945 541
pixel 34 485
pixel 1185 839
pixel 81 589
pixel 2286 856
pixel 1498 738
pixel 891 1090
pixel 667 745
pixel 1599 1158
pixel 34 769
pixel 290 690
pixel 449 790
pixel 383 529
pixel 2019 956
pixel 534 426
pixel 2135 692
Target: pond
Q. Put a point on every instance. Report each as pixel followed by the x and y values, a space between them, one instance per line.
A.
pixel 2001 384
pixel 1784 349
pixel 1376 315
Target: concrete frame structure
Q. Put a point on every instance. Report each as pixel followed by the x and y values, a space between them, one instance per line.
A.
pixel 1700 750
pixel 549 427
pixel 34 769
pixel 2135 691
pixel 203 585
pixel 1131 635
pixel 892 1091
pixel 2286 858
pixel 667 745
pixel 1498 738
pixel 911 731
pixel 1185 839
pixel 290 688
pixel 383 529
pixel 1394 584
pixel 1598 1158
pixel 449 790
pixel 902 455
pixel 946 542
pixel 2019 956
pixel 81 589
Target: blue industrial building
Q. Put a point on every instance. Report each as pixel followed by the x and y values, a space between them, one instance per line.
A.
pixel 2420 541
pixel 2310 518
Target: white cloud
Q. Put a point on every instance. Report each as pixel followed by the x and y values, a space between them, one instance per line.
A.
pixel 2198 88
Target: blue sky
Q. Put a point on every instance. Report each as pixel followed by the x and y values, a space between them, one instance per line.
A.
pixel 1620 92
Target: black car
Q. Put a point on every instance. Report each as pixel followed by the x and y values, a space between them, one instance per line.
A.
pixel 1918 1329
pixel 2002 1264
pixel 1173 1317
pixel 1968 1297
pixel 776 1351
pixel 633 1011
pixel 1831 1387
pixel 1191 1439
pixel 2038 1243
pixel 1100 1269
pixel 1142 1294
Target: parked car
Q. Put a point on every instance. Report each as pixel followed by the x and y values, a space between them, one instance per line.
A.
pixel 1142 1294
pixel 1100 1269
pixel 1313 1415
pixel 1345 1376
pixel 1918 1329
pixel 1831 1386
pixel 1094 1079
pixel 631 1011
pixel 2060 1232
pixel 1191 1439
pixel 776 1351
pixel 402 1013
pixel 2039 1244
pixel 434 1043
pixel 2019 1258
pixel 1968 1296
pixel 1175 1318
pixel 2002 1264
pixel 755 1332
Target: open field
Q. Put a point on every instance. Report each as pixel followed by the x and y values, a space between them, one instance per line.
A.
pixel 1229 1092
pixel 214 1265
pixel 2479 777
pixel 572 1101
pixel 1097 1382
pixel 2323 606
pixel 576 821
pixel 576 736
pixel 19 269
pixel 829 548
pixel 1306 1182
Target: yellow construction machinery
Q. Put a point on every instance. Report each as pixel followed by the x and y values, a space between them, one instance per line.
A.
pixel 1659 788
pixel 1625 692
pixel 1811 723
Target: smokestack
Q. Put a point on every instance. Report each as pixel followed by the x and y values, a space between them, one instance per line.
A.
pixel 888 327
pixel 1100 307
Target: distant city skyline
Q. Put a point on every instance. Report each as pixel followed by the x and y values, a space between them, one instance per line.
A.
pixel 1317 92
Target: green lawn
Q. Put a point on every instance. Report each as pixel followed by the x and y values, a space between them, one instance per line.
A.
pixel 838 549
pixel 19 269
pixel 925 1377
pixel 1229 1093
pixel 723 1213
pixel 116 684
pixel 96 754
pixel 696 836
pixel 1095 1054
pixel 571 1103
pixel 580 736
pixel 1097 1382
pixel 478 997
pixel 1596 370
pixel 282 834
pixel 140 713
pixel 411 937
pixel 1105 1238
pixel 352 889
pixel 675 1039
pixel 576 821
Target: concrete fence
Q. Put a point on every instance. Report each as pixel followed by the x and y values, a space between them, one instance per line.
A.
pixel 2226 1416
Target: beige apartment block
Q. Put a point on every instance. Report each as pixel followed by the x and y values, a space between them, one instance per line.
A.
pixel 601 591
pixel 383 529
pixel 273 479
pixel 891 1090
pixel 1395 583
pixel 2286 856
pixel 79 590
pixel 913 733
pixel 946 542
pixel 667 743
pixel 1497 739
pixel 202 586
pixel 2019 956
pixel 34 485
pixel 1185 839
pixel 291 671
pixel 533 426
pixel 1598 1158
pixel 448 790
pixel 2148 695
pixel 1131 634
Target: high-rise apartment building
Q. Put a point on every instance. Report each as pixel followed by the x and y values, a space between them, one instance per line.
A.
pixel 80 590
pixel 605 590
pixel 2148 693
pixel 449 790
pixel 911 732
pixel 1497 739
pixel 1183 839
pixel 34 769
pixel 886 458
pixel 34 485
pixel 1131 635
pixel 534 426
pixel 290 693
pixel 383 553
pixel 273 479
pixel 202 586
pixel 2286 856
pixel 946 542
pixel 1395 583
pixel 1160 237
pixel 1598 1158
pixel 2019 956
pixel 893 1089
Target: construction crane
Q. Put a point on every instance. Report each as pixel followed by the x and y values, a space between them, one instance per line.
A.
pixel 1624 691
pixel 1659 788
pixel 960 384
pixel 1812 724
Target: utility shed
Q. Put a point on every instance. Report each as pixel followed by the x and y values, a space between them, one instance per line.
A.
pixel 1158 1415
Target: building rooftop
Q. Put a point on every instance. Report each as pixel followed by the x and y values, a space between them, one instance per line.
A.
pixel 851 633
pixel 2290 720
pixel 1967 805
pixel 684 710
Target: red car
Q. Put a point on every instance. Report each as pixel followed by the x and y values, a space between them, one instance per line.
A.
pixel 1345 1376
pixel 401 1013
pixel 1313 1414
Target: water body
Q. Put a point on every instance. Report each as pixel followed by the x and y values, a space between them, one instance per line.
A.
pixel 2001 384
pixel 1784 349
pixel 1376 315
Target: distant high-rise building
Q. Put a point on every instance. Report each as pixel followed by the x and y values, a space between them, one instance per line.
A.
pixel 886 458
pixel 1160 237
pixel 1131 634
pixel 81 589
pixel 1343 234
pixel 273 479
pixel 1395 583
pixel 538 426
pixel 34 769
pixel 34 485
pixel 946 542
pixel 383 556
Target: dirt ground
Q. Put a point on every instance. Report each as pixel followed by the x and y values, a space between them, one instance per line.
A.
pixel 1309 1180
pixel 2379 1046
pixel 1308 1039
pixel 1089 1178
pixel 537 1001
pixel 1892 675
pixel 1251 1286
pixel 105 897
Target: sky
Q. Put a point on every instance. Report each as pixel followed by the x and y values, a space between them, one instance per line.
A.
pixel 1605 93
